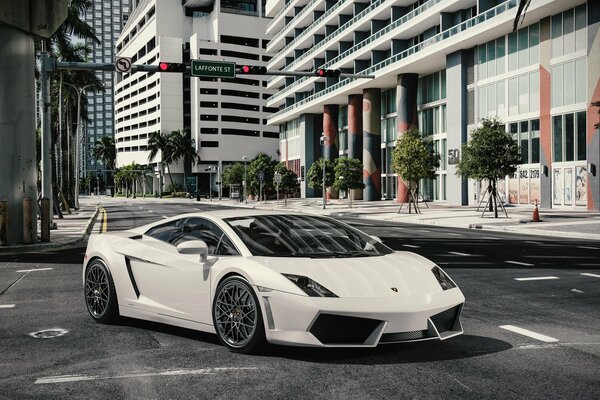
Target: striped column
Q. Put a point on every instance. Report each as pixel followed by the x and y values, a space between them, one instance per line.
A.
pixel 331 113
pixel 593 116
pixel 545 119
pixel 406 101
pixel 355 131
pixel 371 153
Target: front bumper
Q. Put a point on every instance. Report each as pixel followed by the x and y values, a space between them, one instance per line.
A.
pixel 356 322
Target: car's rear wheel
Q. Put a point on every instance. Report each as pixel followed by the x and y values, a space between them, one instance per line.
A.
pixel 237 316
pixel 100 293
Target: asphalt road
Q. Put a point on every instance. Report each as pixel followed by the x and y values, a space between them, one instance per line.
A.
pixel 146 360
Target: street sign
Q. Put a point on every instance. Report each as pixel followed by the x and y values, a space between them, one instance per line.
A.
pixel 123 64
pixel 261 176
pixel 214 69
pixel 277 178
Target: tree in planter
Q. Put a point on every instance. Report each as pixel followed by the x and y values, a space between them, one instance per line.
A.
pixel 105 150
pixel 160 142
pixel 413 159
pixel 314 176
pixel 265 164
pixel 234 174
pixel 490 154
pixel 289 180
pixel 182 147
pixel 348 175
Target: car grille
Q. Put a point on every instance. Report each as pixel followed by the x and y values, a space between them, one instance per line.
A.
pixel 339 329
pixel 444 321
pixel 402 336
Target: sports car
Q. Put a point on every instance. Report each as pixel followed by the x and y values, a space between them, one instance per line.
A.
pixel 254 277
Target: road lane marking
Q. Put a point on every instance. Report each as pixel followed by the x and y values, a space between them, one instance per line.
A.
pixel 456 253
pixel 197 209
pixel 412 246
pixel 592 275
pixel 588 247
pixel 519 263
pixel 7 305
pixel 173 372
pixel 164 216
pixel 150 211
pixel 531 334
pixel 36 269
pixel 452 234
pixel 490 238
pixel 537 278
pixel 531 242
pixel 104 226
pixel 423 230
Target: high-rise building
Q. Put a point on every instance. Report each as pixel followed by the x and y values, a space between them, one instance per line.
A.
pixel 441 66
pixel 107 17
pixel 226 117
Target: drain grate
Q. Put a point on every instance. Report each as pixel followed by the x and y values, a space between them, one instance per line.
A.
pixel 48 333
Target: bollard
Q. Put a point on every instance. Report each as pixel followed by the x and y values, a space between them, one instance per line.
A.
pixel 45 219
pixel 3 223
pixel 27 217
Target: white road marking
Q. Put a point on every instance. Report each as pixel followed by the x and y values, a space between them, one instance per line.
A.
pixel 588 247
pixel 412 246
pixel 7 305
pixel 519 263
pixel 164 216
pixel 531 242
pixel 173 372
pixel 452 234
pixel 490 238
pixel 456 253
pixel 423 230
pixel 537 278
pixel 197 209
pixel 577 291
pixel 592 275
pixel 34 270
pixel 531 334
pixel 150 211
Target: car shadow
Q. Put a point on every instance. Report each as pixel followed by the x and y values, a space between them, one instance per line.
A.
pixel 464 346
pixel 168 329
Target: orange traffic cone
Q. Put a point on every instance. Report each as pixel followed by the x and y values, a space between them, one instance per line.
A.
pixel 536 213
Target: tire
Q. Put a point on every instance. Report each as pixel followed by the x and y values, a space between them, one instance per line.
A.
pixel 100 294
pixel 240 331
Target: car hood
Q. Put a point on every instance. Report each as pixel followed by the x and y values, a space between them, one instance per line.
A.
pixel 363 277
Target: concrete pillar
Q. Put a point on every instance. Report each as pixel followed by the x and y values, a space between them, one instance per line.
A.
pixel 371 115
pixel 355 131
pixel 545 118
pixel 18 166
pixel 311 127
pixel 330 131
pixel 406 101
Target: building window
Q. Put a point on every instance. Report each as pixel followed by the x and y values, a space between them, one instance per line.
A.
pixel 569 137
pixel 568 31
pixel 569 83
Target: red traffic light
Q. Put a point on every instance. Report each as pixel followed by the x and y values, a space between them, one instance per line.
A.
pixel 253 70
pixel 164 66
pixel 327 72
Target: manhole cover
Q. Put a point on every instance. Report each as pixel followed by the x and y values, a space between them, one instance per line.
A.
pixel 48 333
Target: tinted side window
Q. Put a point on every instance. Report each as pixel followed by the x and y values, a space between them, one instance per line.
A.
pixel 198 229
pixel 163 232
pixel 226 248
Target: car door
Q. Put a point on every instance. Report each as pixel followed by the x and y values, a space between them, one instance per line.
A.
pixel 178 285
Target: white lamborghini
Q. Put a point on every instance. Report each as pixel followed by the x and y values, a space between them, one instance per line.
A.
pixel 254 277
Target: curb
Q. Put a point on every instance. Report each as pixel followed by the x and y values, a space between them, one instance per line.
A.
pixel 42 247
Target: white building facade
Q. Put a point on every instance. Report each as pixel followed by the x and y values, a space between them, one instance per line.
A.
pixel 226 117
pixel 441 66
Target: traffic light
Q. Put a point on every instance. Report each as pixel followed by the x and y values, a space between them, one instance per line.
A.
pixel 253 70
pixel 327 72
pixel 171 67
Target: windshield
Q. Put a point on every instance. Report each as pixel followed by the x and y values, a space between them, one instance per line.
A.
pixel 303 236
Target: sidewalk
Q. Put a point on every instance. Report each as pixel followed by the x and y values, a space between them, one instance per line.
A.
pixel 72 231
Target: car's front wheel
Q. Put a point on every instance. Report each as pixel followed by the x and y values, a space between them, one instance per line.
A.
pixel 237 316
pixel 100 293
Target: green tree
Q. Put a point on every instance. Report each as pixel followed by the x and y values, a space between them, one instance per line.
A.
pixel 314 176
pixel 348 175
pixel 289 180
pixel 234 174
pixel 265 164
pixel 159 142
pixel 413 159
pixel 490 154
pixel 183 148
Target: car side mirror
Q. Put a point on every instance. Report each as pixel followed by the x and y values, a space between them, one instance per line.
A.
pixel 376 238
pixel 194 247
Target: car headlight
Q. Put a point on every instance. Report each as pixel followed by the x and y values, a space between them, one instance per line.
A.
pixel 443 279
pixel 310 287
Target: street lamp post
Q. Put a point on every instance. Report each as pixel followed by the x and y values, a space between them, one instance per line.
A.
pixel 245 160
pixel 210 170
pixel 324 141
pixel 77 139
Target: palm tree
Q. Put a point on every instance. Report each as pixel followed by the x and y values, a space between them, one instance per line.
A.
pixel 159 142
pixel 183 148
pixel 105 150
